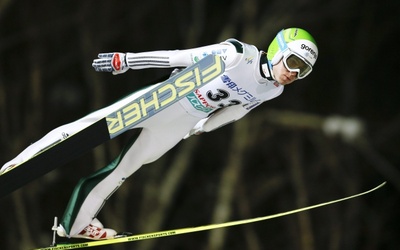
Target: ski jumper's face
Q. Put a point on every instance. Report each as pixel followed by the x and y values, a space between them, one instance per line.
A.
pixel 282 74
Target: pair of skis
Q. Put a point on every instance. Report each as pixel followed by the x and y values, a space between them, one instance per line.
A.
pixel 150 103
pixel 155 100
pixel 168 233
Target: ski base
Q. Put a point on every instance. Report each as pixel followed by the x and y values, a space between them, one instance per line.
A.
pixel 57 155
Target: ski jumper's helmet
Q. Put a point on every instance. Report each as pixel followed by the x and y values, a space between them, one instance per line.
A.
pixel 297 48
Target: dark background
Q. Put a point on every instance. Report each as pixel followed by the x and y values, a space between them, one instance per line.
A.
pixel 278 158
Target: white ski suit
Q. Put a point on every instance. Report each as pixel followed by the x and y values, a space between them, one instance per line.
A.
pixel 242 87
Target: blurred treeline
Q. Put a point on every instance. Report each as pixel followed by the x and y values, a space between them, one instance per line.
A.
pixel 334 134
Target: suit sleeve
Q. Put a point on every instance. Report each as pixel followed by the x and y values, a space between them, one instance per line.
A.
pixel 178 58
pixel 223 117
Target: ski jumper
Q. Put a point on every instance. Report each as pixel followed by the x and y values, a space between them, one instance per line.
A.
pixel 242 87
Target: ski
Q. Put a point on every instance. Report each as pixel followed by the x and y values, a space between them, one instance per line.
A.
pixel 168 233
pixel 117 122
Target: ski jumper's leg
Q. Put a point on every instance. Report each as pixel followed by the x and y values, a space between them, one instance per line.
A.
pixel 69 129
pixel 159 134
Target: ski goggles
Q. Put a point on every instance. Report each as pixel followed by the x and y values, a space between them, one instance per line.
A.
pixel 293 61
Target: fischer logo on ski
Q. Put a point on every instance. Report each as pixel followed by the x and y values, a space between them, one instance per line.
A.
pixel 169 92
pixel 117 122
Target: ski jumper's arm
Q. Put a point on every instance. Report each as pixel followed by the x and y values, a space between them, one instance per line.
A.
pixel 119 63
pixel 178 58
pixel 218 119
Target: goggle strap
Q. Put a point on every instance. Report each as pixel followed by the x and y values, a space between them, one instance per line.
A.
pixel 281 42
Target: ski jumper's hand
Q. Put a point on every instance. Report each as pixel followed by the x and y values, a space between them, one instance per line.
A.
pixel 111 62
pixel 197 129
